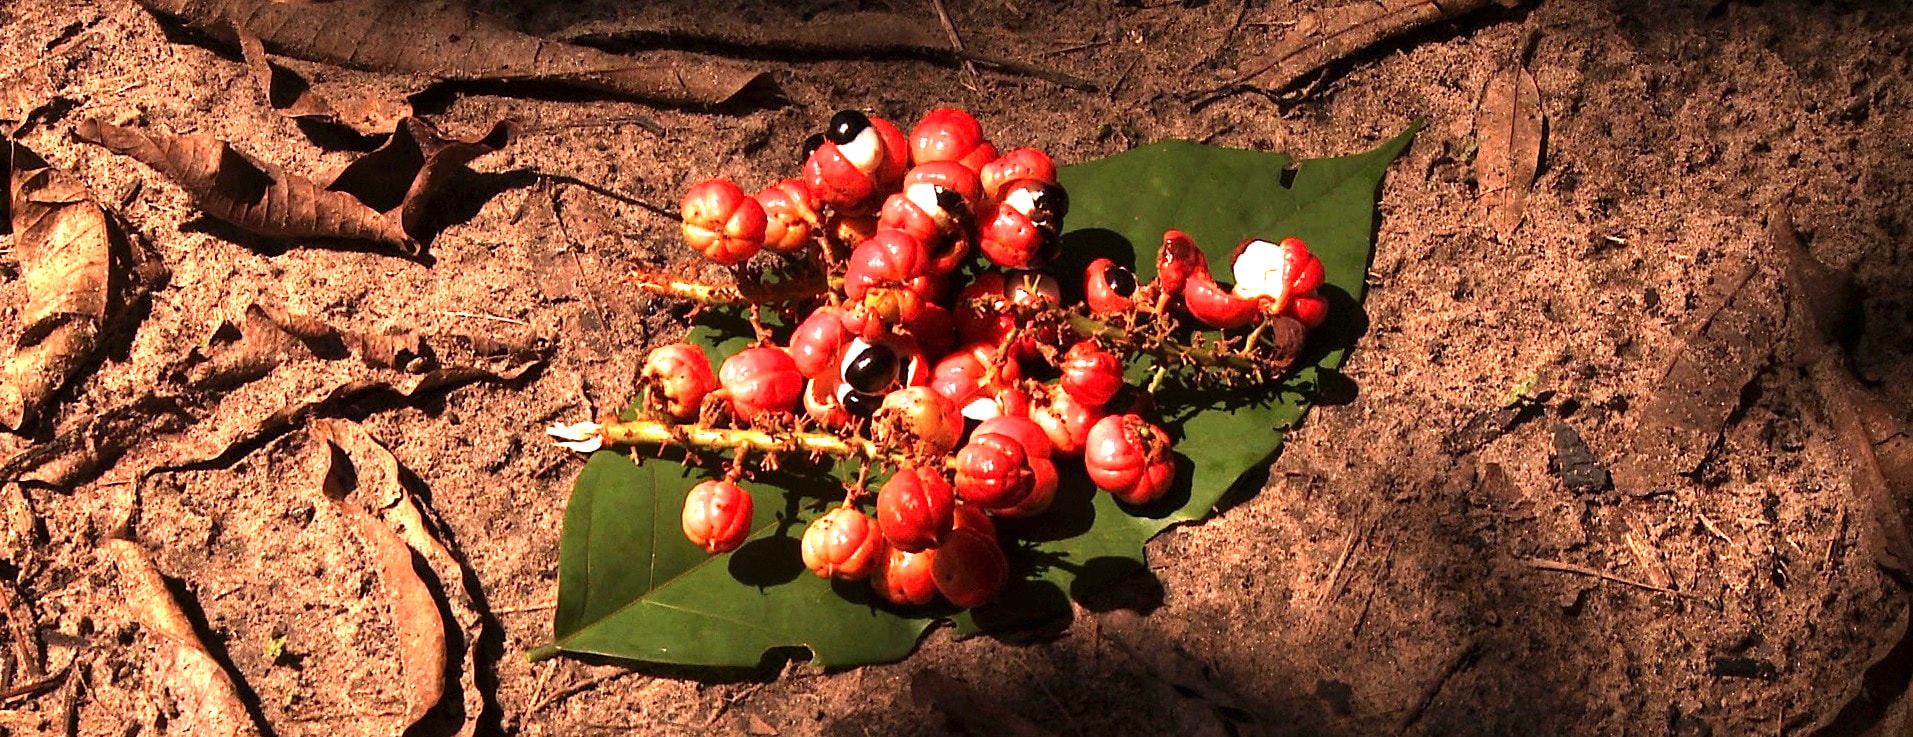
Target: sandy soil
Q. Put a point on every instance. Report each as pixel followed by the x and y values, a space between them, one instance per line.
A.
pixel 1382 583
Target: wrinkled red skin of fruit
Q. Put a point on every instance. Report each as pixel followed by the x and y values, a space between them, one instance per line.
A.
pixel 1037 450
pixel 1310 309
pixel 1020 163
pixel 947 134
pixel 915 509
pixel 993 471
pixel 842 544
pixel 1101 297
pixel 918 420
pixel 963 376
pixel 970 569
pixel 1065 420
pixel 1127 456
pixel 819 341
pixel 1177 260
pixel 841 185
pixel 917 211
pixel 679 375
pixel 906 579
pixel 1214 306
pixel 717 516
pixel 934 330
pixel 1011 240
pixel 789 211
pixel 722 222
pixel 760 380
pixel 1090 374
pixel 890 258
pixel 972 518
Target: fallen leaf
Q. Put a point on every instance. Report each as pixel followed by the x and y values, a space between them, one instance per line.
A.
pixel 446 40
pixel 292 96
pixel 1725 345
pixel 252 194
pixel 1335 33
pixel 1579 470
pixel 406 173
pixel 74 258
pixel 1509 129
pixel 208 700
pixel 366 479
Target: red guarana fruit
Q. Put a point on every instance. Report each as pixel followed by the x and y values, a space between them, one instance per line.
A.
pixel 915 509
pixel 817 345
pixel 1212 305
pixel 1177 260
pixel 1274 273
pixel 1107 287
pixel 1091 374
pixel 1310 309
pixel 722 222
pixel 790 213
pixel 993 471
pixel 842 544
pixel 1024 229
pixel 970 568
pixel 1065 419
pixel 918 420
pixel 948 134
pixel 717 516
pixel 679 376
pixel 859 160
pixel 1127 456
pixel 905 579
pixel 760 380
pixel 1037 450
pixel 1014 165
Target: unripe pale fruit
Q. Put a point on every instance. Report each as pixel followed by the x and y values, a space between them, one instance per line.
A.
pixel 679 376
pixel 717 516
pixel 722 222
pixel 842 544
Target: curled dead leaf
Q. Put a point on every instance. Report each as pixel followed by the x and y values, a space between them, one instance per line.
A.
pixel 366 480
pixel 1333 33
pixel 79 270
pixel 292 96
pixel 1509 131
pixel 406 173
pixel 209 702
pixel 447 40
pixel 255 195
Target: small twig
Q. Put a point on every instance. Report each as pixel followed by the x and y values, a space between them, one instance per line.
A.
pixel 956 41
pixel 1561 567
pixel 577 688
pixel 1433 689
pixel 20 620
pixel 547 606
pixel 1332 587
pixel 37 685
pixel 482 316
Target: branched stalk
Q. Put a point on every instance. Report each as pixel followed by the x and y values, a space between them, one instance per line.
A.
pixel 742 292
pixel 741 440
pixel 1165 349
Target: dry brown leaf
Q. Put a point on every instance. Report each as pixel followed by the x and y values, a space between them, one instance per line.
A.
pixel 446 40
pixel 292 96
pixel 1724 347
pixel 73 257
pixel 252 194
pixel 364 478
pixel 1334 33
pixel 208 700
pixel 1508 134
pixel 404 174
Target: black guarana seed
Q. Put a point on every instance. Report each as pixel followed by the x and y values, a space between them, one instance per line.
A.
pixel 873 369
pixel 949 199
pixel 845 125
pixel 810 146
pixel 1121 280
pixel 861 404
pixel 1054 200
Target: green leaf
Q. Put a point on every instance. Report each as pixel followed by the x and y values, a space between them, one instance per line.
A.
pixel 630 586
pixel 1119 208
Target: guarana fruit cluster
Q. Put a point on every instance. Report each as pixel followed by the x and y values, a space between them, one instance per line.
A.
pixel 936 353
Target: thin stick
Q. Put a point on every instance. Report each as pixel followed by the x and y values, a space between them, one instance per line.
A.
pixel 577 688
pixel 1433 689
pixel 482 316
pixel 1335 572
pixel 956 41
pixel 547 606
pixel 1561 567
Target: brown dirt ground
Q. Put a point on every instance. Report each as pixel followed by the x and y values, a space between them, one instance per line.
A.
pixel 1675 131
